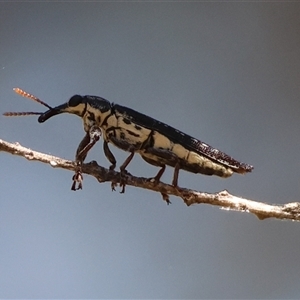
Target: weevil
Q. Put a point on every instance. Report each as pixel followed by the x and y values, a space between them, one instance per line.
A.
pixel 158 143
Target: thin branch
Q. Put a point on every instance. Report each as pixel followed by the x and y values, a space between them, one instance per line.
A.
pixel 223 199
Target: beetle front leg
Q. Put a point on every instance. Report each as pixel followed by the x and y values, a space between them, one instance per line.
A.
pixel 79 158
pixel 89 140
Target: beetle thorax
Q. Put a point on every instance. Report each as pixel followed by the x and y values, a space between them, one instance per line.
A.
pixel 94 116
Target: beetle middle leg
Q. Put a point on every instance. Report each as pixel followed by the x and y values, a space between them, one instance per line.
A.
pixel 126 146
pixel 123 171
pixel 112 160
pixel 109 156
pixel 89 140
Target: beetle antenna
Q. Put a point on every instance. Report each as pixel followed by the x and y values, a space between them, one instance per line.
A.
pixel 32 97
pixel 18 114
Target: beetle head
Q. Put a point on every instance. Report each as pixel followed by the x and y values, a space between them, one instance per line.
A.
pixel 87 107
pixel 77 105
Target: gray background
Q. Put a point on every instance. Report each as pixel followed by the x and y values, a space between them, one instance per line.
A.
pixel 226 73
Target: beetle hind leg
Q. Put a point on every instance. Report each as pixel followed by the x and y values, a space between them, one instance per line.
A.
pixel 161 157
pixel 159 174
pixel 156 178
pixel 175 175
pixel 155 163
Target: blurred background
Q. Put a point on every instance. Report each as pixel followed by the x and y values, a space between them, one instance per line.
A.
pixel 226 73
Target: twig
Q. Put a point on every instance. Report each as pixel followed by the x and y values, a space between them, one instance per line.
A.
pixel 223 199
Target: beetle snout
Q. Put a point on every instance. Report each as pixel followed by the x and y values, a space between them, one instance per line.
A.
pixel 52 112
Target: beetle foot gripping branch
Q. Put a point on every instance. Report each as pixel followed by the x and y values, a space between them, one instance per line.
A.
pixel 77 178
pixel 113 186
pixel 123 180
pixel 122 184
pixel 166 198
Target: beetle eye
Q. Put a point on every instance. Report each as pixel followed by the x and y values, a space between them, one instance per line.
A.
pixel 75 100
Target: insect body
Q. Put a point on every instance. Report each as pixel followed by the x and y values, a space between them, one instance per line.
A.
pixel 158 144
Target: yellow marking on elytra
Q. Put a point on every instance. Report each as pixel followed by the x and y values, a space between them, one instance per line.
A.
pixel 191 157
pixel 195 158
pixel 160 141
pixel 131 133
pixel 180 151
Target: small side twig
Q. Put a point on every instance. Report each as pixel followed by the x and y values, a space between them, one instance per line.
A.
pixel 223 199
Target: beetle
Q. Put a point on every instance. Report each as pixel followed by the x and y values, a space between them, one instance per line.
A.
pixel 158 143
